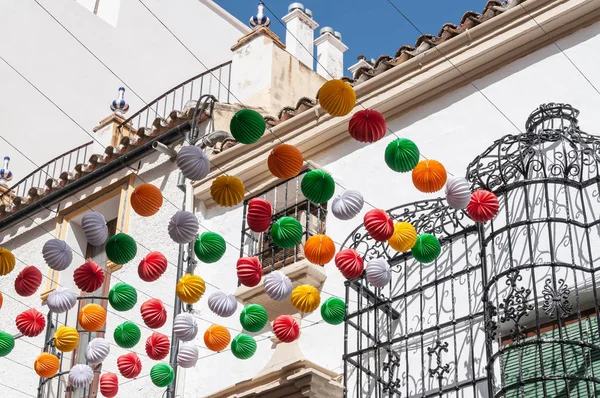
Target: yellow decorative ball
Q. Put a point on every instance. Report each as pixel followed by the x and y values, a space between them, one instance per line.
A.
pixel 7 261
pixel 404 237
pixel 227 190
pixel 337 97
pixel 190 288
pixel 66 338
pixel 305 298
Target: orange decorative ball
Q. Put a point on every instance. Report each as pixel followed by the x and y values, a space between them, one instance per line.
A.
pixel 285 161
pixel 217 338
pixel 429 176
pixel 337 97
pixel 92 317
pixel 227 190
pixel 146 200
pixel 46 365
pixel 319 249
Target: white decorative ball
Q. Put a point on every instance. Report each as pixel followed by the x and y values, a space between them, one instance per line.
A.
pixel 61 300
pixel 57 254
pixel 223 304
pixel 278 286
pixel 97 350
pixel 80 376
pixel 378 272
pixel 458 193
pixel 193 163
pixel 185 327
pixel 94 228
pixel 183 227
pixel 187 356
pixel 347 205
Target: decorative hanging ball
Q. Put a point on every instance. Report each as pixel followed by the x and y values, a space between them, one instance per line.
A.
pixel 129 365
pixel 162 375
pixel 89 277
pixel 127 334
pixel 94 228
pixel 28 281
pixel 227 190
pixel 249 271
pixel 247 126
pixel 193 163
pixel 426 249
pixel 61 300
pixel 285 161
pixel 80 376
pixel 153 313
pixel 379 224
pixel 217 338
pixel 152 266
pixel 183 227
pixel 429 176
pixel 286 232
pixel 190 288
pixel 319 249
pixel 97 351
pixel 333 310
pixel 109 385
pixel 259 215
pixel 367 126
pixel 1 300
pixel 57 254
pixel 157 346
pixel 122 297
pixel 278 286
pixel 187 356
pixel 347 205
pixel 243 346
pixel 66 338
pixel 92 317
pixel 350 263
pixel 146 200
pixel 317 186
pixel 378 272
pixel 401 155
pixel 483 206
pixel 209 247
pixel 31 322
pixel 286 328
pixel 337 97
pixel 253 318
pixel 404 237
pixel 46 365
pixel 7 261
pixel 185 327
pixel 223 304
pixel 120 248
pixel 7 343
pixel 458 193
pixel 305 298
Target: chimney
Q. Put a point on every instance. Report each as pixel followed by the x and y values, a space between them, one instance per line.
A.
pixel 300 34
pixel 330 53
pixel 362 63
pixel 5 174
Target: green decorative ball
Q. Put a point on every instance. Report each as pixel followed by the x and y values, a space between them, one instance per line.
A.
pixel 247 126
pixel 122 297
pixel 426 249
pixel 7 343
pixel 127 334
pixel 333 311
pixel 162 375
pixel 253 318
pixel 402 155
pixel 209 247
pixel 120 248
pixel 286 232
pixel 318 186
pixel 243 346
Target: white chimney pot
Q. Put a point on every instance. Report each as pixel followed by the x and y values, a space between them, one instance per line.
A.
pixel 330 54
pixel 300 33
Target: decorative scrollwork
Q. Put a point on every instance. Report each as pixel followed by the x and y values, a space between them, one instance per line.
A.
pixel 491 326
pixel 391 367
pixel 440 370
pixel 514 305
pixel 556 300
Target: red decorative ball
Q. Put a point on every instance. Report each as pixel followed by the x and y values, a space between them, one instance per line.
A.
pixel 28 281
pixel 483 206
pixel 154 313
pixel 152 266
pixel 379 224
pixel 157 346
pixel 89 277
pixel 109 385
pixel 350 263
pixel 286 328
pixel 129 365
pixel 31 323
pixel 249 271
pixel 367 126
pixel 259 215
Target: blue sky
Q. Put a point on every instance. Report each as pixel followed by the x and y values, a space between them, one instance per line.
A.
pixel 369 27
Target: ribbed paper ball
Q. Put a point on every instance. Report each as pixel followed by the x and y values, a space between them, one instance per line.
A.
pixel 157 346
pixel 278 286
pixel 426 249
pixel 1 299
pixel 227 190
pixel 249 271
pixel 146 200
pixel 317 186
pixel 28 281
pixel 429 176
pixel 259 215
pixel 66 338
pixel 109 385
pixel 7 343
pixel 285 161
pixel 379 224
pixel 190 288
pixel 243 346
pixel 94 228
pixel 319 249
pixel 129 365
pixel 122 297
pixel 120 248
pixel 80 376
pixel 223 304
pixel 162 374
pixel 404 237
pixel 401 155
pixel 337 97
pixel 7 261
pixel 97 351
pixel 46 365
pixel 350 263
pixel 347 205
pixel 127 334
pixel 367 126
pixel 333 311
pixel 483 206
pixel 247 126
pixel 92 317
pixel 89 277
pixel 378 272
pixel 61 300
pixel 286 232
pixel 183 227
pixel 185 327
pixel 187 356
pixel 31 322
pixel 152 266
pixel 286 328
pixel 209 247
pixel 153 313
pixel 253 318
pixel 193 163
pixel 57 254
pixel 305 298
pixel 458 193
pixel 217 338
